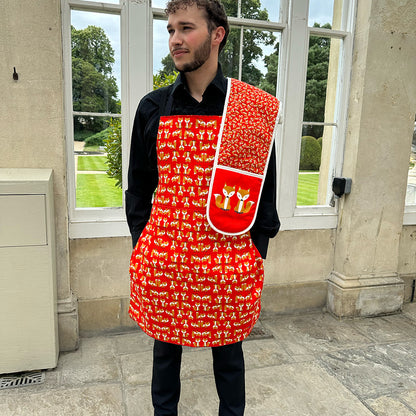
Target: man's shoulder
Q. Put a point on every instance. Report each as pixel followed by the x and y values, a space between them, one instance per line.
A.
pixel 156 96
pixel 150 104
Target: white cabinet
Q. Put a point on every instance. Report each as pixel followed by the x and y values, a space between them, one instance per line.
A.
pixel 28 315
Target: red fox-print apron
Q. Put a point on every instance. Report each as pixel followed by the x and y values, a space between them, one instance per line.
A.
pixel 190 284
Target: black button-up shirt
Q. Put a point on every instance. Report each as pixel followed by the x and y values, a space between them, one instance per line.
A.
pixel 143 172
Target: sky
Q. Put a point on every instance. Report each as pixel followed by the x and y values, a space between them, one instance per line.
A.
pixel 319 11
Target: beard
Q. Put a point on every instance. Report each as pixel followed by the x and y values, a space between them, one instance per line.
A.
pixel 201 55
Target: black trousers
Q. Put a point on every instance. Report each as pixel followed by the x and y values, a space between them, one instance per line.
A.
pixel 228 363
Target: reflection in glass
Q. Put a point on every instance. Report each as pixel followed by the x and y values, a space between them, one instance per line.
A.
pixel 98 163
pixel 253 9
pixel 260 59
pixel 321 78
pixel 411 178
pixel 230 55
pixel 260 10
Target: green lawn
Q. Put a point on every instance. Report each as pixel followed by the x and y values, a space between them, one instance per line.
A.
pixel 307 189
pixel 97 190
pixel 92 163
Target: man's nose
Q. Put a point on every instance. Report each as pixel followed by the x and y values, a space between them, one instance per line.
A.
pixel 176 39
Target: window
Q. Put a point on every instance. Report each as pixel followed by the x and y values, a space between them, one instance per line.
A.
pixel 299 51
pixel 100 102
pixel 410 208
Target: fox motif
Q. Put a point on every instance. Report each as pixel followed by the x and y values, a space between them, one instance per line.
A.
pixel 224 202
pixel 243 207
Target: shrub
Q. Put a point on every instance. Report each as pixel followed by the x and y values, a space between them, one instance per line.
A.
pixel 320 142
pixel 310 155
pixel 97 139
pixel 163 80
pixel 113 150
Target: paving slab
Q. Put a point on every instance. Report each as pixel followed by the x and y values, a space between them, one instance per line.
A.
pixel 92 400
pixel 312 365
pixel 374 371
pixel 286 390
pixel 132 342
pixel 264 353
pixel 314 333
pixel 299 389
pixel 84 366
pixel 386 328
pixel 389 406
pixel 410 399
pixel 136 369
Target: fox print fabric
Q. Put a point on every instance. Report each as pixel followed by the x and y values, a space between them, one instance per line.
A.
pixel 191 285
pixel 242 156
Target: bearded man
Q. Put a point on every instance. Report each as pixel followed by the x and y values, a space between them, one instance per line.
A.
pixel 205 144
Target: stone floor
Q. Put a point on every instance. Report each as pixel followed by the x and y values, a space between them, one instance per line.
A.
pixel 311 365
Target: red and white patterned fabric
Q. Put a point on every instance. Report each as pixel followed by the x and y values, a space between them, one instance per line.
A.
pixel 191 285
pixel 242 157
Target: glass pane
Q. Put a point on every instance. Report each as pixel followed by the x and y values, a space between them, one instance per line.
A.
pixel 321 81
pixel 96 67
pixel 253 9
pixel 97 153
pixel 260 59
pixel 106 1
pixel 261 10
pixel 314 168
pixel 230 55
pixel 325 13
pixel 411 178
pixel 160 4
pixel 231 7
pixel 163 67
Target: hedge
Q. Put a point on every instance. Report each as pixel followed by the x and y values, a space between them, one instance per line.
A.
pixel 310 155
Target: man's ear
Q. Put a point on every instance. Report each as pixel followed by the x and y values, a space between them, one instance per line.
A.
pixel 218 35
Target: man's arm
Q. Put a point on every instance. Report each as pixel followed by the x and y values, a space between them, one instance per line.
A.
pixel 142 173
pixel 267 223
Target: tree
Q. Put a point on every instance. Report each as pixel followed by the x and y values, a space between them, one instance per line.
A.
pixel 92 45
pixel 268 83
pixel 94 89
pixel 316 81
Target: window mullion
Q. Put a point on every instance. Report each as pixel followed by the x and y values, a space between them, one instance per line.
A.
pixel 240 63
pixel 137 43
pixel 69 125
pixel 295 71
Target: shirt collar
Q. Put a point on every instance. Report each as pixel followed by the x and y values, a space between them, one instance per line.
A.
pixel 220 82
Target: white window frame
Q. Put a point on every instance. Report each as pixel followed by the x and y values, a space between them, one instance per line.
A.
pixel 295 43
pixel 135 83
pixel 137 76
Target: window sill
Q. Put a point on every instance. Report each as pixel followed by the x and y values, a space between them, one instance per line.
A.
pixel 98 229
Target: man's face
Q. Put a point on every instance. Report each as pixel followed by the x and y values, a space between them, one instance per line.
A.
pixel 189 39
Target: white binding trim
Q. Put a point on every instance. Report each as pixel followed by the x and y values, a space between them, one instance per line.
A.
pixel 217 151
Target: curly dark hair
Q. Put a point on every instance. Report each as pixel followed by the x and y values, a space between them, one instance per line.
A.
pixel 214 9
